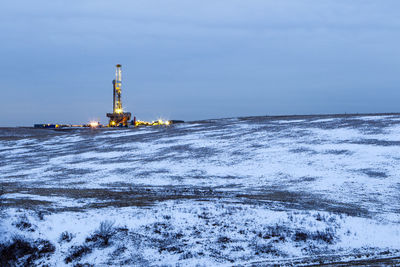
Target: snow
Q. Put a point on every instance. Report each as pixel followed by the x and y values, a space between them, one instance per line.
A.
pixel 324 120
pixel 124 133
pixel 251 175
pixel 289 121
pixel 239 225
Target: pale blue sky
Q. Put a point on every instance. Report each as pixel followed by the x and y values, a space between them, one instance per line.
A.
pixel 197 59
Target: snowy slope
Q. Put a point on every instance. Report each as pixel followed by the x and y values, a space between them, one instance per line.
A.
pixel 257 190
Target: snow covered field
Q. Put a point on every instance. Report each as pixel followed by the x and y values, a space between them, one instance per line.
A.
pixel 246 191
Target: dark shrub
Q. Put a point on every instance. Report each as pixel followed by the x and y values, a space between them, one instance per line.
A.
pixel 224 239
pixel 266 249
pixel 45 247
pixel 102 236
pixel 40 215
pixel 300 236
pixel 83 265
pixel 106 227
pixel 326 236
pixel 21 252
pixel 65 236
pixel 14 251
pixel 276 232
pixel 186 255
pixel 24 224
pixel 318 217
pixel 77 252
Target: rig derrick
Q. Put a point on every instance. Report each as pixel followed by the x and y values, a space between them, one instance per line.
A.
pixel 118 118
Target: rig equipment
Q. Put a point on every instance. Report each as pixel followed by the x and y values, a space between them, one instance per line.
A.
pixel 118 118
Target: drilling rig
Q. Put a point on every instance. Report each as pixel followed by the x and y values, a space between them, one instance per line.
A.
pixel 118 118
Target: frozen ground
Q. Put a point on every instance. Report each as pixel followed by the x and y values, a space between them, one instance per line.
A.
pixel 248 191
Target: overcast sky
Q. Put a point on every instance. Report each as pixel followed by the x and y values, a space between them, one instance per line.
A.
pixel 197 59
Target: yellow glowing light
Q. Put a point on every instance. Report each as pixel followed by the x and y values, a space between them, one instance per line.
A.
pixel 153 123
pixel 118 110
pixel 94 124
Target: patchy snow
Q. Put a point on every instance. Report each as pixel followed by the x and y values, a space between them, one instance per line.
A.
pixel 289 121
pixel 208 233
pixel 376 117
pixel 324 120
pixel 222 192
pixel 124 133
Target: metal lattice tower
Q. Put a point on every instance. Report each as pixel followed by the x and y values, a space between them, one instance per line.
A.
pixel 118 117
pixel 117 106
